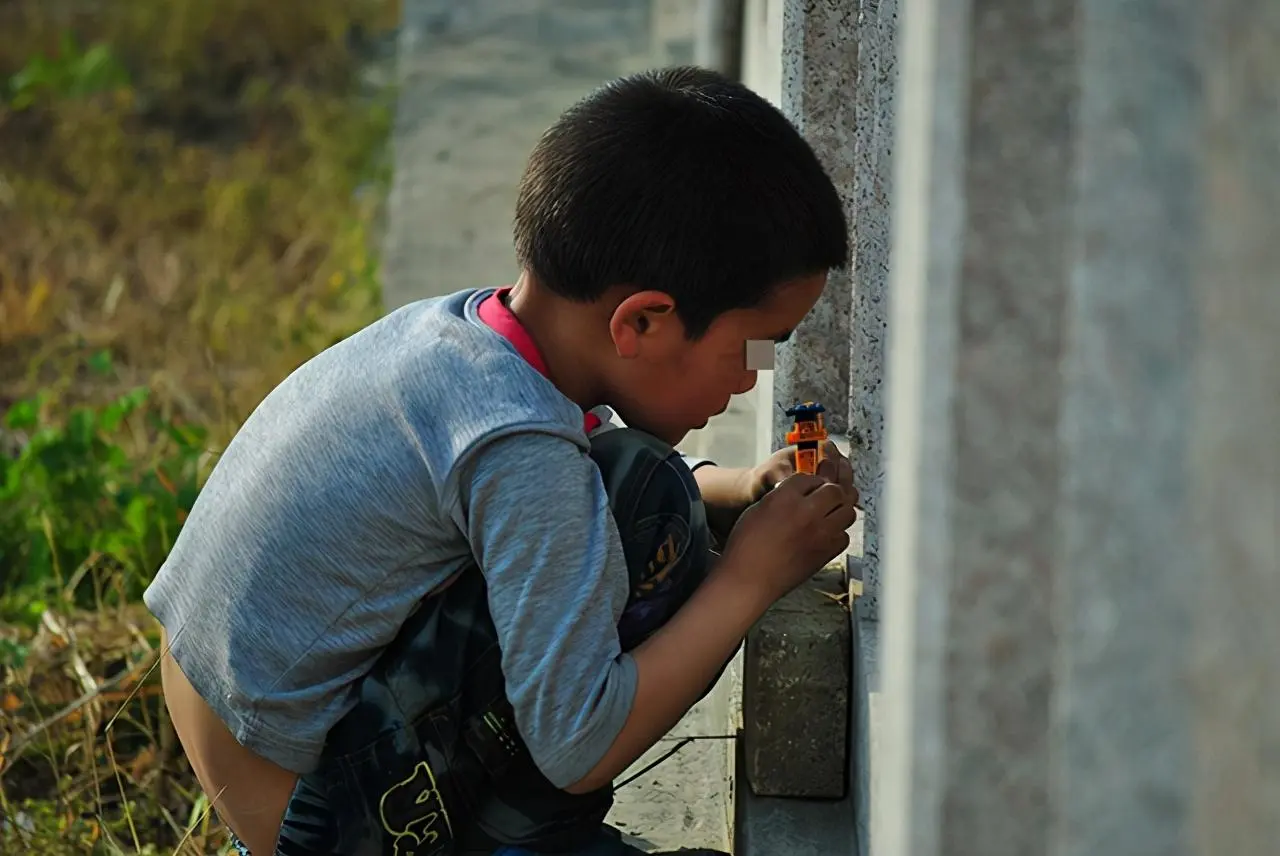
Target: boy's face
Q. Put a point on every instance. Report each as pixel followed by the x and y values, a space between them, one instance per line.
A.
pixel 667 384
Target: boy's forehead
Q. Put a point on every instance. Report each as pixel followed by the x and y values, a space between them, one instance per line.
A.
pixel 790 302
pixel 772 321
pixel 755 324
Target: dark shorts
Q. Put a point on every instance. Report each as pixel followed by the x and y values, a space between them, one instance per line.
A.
pixel 609 843
pixel 430 754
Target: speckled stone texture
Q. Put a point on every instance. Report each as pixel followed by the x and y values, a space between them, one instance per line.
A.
pixel 1083 508
pixel 874 99
pixel 819 67
pixel 796 694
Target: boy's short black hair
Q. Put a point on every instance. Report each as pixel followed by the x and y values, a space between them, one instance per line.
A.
pixel 680 180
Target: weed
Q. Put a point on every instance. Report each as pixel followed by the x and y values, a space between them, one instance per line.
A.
pixel 73 73
pixel 83 520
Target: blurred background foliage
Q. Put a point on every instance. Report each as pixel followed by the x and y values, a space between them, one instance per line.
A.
pixel 190 193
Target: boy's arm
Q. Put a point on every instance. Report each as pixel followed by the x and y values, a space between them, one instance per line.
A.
pixel 674 667
pixel 535 511
pixel 726 493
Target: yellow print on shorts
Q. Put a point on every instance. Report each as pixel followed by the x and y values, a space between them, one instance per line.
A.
pixel 419 811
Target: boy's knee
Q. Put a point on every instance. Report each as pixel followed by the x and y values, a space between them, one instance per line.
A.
pixel 662 522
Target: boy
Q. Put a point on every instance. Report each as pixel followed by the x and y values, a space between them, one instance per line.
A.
pixel 662 223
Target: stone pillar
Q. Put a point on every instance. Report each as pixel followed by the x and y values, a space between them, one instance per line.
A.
pixel 793 747
pixel 819 67
pixel 874 99
pixel 1082 569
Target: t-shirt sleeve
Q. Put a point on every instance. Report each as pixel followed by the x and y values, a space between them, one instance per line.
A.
pixel 534 509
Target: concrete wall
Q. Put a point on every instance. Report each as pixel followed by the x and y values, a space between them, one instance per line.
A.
pixel 1082 508
pixel 1082 553
pixel 832 67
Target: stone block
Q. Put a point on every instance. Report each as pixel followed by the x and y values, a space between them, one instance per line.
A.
pixel 797 676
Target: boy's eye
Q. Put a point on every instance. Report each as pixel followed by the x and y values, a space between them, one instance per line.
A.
pixel 760 353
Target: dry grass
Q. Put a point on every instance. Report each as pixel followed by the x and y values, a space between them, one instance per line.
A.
pixel 198 222
pixel 91 764
pixel 208 222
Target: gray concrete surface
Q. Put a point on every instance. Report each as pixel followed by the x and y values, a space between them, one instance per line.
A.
pixel 867 752
pixel 1083 512
pixel 831 90
pixel 771 826
pixel 767 826
pixel 981 263
pixel 480 82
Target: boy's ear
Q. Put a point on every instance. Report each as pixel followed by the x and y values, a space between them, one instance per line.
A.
pixel 644 321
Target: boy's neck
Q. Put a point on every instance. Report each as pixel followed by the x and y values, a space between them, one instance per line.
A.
pixel 557 326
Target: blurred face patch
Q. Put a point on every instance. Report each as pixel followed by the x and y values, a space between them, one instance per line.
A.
pixel 760 354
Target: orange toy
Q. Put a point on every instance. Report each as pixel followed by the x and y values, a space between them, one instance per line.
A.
pixel 807 435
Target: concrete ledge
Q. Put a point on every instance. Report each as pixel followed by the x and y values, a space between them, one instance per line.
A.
pixel 771 826
pixel 797 688
pixel 775 826
pixel 864 724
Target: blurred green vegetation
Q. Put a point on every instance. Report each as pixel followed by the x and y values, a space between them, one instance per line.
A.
pixel 189 198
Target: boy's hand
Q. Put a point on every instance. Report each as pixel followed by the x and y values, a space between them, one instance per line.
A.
pixel 834 467
pixel 791 533
pixel 729 492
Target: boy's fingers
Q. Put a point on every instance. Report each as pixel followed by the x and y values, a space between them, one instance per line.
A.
pixel 802 484
pixel 846 515
pixel 844 469
pixel 835 467
pixel 828 498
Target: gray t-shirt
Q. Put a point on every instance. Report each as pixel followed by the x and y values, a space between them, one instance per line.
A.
pixel 368 478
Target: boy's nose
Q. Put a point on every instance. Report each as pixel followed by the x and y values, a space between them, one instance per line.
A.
pixel 747 384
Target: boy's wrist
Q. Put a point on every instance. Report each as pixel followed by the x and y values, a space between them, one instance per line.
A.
pixel 743 584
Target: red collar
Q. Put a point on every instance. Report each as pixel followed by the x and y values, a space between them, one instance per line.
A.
pixel 495 314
